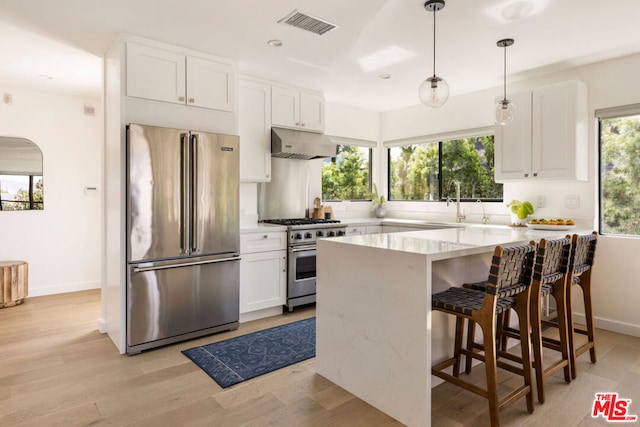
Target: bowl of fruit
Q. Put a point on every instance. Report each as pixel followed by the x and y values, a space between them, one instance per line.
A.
pixel 551 224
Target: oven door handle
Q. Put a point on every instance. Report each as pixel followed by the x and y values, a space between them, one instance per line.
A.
pixel 302 248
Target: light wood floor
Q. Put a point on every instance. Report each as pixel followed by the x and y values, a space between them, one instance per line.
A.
pixel 56 369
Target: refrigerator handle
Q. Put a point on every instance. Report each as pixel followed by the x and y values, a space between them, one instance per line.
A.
pixel 184 187
pixel 184 264
pixel 194 193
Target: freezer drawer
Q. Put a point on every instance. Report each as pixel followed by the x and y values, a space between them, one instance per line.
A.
pixel 173 301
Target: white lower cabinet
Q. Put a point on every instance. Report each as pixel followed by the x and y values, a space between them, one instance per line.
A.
pixel 373 229
pixel 263 272
pixel 356 231
pixel 361 230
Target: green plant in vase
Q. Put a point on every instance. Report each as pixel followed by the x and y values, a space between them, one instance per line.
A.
pixel 378 203
pixel 520 211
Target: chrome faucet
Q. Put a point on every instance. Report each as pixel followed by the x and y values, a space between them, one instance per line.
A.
pixel 459 215
pixel 485 217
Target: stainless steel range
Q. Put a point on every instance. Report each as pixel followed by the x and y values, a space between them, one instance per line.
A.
pixel 301 256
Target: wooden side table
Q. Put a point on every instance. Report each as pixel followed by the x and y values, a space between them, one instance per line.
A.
pixel 14 282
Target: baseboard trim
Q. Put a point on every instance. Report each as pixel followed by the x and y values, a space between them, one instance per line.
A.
pixel 610 325
pixel 260 314
pixel 102 326
pixel 64 288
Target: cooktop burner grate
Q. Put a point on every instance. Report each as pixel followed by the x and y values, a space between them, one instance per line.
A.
pixel 301 221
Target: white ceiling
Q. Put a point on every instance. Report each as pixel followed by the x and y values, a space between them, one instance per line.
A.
pixel 65 39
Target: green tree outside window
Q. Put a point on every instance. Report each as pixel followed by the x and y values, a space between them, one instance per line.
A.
pixel 348 175
pixel 619 175
pixel 422 172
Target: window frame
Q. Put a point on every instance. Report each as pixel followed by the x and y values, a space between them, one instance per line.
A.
pixel 439 139
pixel 32 203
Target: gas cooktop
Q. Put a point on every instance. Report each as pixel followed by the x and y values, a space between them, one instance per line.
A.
pixel 301 221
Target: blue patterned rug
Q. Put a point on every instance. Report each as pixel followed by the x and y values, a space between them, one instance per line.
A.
pixel 248 356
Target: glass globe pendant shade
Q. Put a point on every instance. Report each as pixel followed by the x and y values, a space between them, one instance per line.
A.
pixel 505 112
pixel 434 92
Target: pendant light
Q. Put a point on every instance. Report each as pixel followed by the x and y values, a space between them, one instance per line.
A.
pixel 434 91
pixel 505 109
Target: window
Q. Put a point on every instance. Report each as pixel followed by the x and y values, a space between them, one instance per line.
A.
pixel 620 170
pixel 20 192
pixel 348 175
pixel 423 171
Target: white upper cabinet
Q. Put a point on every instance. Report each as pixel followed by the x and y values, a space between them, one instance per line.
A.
pixel 312 111
pixel 548 137
pixel 157 74
pixel 210 84
pixel 513 142
pixel 293 108
pixel 173 76
pixel 254 128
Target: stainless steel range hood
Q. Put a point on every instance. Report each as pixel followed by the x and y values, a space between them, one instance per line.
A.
pixel 302 145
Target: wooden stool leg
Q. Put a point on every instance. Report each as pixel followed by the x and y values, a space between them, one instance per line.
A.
pixel 491 366
pixel 570 329
pixel 536 342
pixel 471 331
pixel 588 312
pixel 458 346
pixel 503 323
pixel 563 328
pixel 524 312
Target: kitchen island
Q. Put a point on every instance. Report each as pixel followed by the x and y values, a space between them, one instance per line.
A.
pixel 376 335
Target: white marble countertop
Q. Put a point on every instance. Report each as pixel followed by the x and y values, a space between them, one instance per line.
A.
pixel 261 228
pixel 459 241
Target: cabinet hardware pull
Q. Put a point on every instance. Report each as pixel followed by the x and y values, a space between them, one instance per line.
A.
pixel 526 175
pixel 265 236
pixel 181 98
pixel 192 100
pixel 535 174
pixel 284 264
pixel 302 124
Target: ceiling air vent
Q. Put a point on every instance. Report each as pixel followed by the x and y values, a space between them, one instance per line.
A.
pixel 309 23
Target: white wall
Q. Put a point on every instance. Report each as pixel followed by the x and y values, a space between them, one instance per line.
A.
pixel 610 83
pixel 62 243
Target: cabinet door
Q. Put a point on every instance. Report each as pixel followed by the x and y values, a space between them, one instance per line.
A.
pixel 285 107
pixel 210 84
pixel 513 142
pixel 356 231
pixel 312 111
pixel 374 229
pixel 263 280
pixel 254 127
pixel 263 242
pixel 554 131
pixel 156 74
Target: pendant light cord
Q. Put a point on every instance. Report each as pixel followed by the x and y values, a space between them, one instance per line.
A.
pixel 505 73
pixel 434 41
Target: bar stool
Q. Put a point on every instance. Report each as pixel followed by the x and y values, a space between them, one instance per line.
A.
pixel 508 287
pixel 550 277
pixel 583 252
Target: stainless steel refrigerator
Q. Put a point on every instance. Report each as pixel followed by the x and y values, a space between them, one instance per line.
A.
pixel 183 236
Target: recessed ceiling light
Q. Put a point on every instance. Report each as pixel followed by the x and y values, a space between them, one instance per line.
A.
pixel 45 77
pixel 385 76
pixel 275 43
